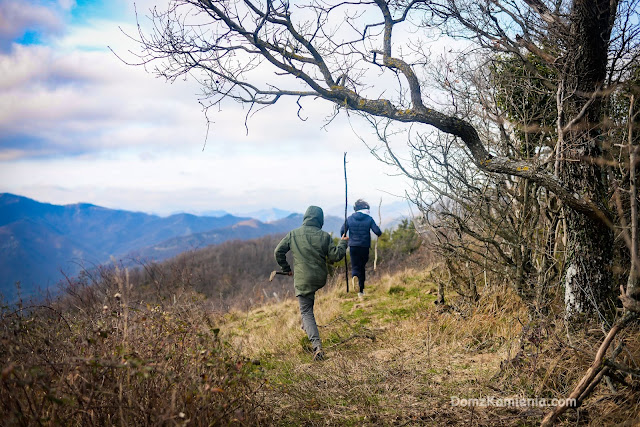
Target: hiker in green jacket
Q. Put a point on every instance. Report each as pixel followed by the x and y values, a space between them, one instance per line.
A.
pixel 311 248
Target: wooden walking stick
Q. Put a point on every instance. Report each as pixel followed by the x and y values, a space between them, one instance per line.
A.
pixel 346 268
pixel 375 249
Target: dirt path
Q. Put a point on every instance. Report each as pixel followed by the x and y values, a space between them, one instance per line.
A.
pixel 395 359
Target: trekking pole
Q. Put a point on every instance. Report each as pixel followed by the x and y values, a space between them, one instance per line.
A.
pixel 346 269
pixel 375 249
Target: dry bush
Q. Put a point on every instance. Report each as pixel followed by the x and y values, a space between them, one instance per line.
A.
pixel 232 275
pixel 103 356
pixel 235 273
pixel 544 358
pixel 550 362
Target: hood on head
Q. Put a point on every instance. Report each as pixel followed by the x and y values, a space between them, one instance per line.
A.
pixel 314 217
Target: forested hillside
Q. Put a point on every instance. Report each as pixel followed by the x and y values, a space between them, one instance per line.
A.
pixel 42 244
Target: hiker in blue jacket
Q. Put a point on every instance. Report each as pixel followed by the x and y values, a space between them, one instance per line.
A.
pixel 360 224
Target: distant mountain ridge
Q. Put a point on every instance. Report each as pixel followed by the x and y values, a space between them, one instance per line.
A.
pixel 267 215
pixel 39 240
pixel 243 230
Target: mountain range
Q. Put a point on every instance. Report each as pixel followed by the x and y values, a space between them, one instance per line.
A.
pixel 264 215
pixel 41 243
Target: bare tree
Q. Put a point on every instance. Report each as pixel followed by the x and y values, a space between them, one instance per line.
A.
pixel 371 57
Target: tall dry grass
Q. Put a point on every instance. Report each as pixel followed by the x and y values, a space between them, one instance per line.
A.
pixel 103 356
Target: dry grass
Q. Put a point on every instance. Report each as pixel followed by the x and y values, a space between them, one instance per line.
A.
pixel 395 358
pixel 123 361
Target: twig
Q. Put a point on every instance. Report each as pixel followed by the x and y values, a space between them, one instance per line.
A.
pixel 375 249
pixel 346 268
pixel 38 306
pixel 592 377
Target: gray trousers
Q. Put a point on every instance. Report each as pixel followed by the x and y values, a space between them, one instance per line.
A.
pixel 309 321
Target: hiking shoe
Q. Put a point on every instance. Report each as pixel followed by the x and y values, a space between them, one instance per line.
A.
pixel 318 355
pixel 355 282
pixel 360 295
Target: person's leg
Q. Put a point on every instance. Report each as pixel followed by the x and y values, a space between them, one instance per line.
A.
pixel 359 258
pixel 365 259
pixel 309 320
pixel 355 266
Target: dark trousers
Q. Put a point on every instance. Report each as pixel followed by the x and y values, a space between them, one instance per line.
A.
pixel 359 258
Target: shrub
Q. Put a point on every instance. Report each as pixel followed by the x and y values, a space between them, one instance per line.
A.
pixel 122 362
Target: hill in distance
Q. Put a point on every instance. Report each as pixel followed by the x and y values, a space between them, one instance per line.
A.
pixel 41 241
pixel 267 215
pixel 242 230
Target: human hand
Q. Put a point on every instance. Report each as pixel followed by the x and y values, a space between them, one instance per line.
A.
pixel 344 237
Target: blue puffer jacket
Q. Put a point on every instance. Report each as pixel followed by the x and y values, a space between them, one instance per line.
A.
pixel 359 225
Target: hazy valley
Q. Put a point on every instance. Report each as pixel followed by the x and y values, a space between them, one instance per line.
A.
pixel 41 243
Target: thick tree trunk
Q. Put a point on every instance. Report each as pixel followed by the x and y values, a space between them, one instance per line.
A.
pixel 588 287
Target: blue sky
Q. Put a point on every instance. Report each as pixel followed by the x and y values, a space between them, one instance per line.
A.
pixel 78 125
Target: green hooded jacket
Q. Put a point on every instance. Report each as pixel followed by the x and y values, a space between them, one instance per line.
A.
pixel 311 248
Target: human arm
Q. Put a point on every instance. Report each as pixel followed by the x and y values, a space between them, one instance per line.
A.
pixel 337 252
pixel 343 229
pixel 375 228
pixel 281 253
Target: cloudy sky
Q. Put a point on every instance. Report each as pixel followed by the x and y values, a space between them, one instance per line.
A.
pixel 78 125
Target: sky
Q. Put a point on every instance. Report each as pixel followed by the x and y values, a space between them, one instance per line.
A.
pixel 79 125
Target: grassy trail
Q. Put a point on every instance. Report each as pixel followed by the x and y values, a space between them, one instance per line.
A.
pixel 393 358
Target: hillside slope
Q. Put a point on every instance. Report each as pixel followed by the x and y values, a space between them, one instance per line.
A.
pixel 115 353
pixel 395 358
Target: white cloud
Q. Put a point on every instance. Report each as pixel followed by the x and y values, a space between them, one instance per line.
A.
pixel 16 16
pixel 76 124
pixel 87 101
pixel 198 181
pixel 66 4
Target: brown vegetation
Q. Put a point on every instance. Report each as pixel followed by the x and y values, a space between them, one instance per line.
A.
pixel 118 350
pixel 113 355
pixel 395 358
